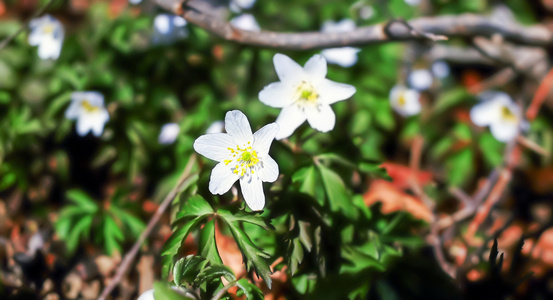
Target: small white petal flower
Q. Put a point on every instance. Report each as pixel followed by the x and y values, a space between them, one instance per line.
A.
pixel 413 2
pixel 343 56
pixel 242 156
pixel 404 101
pixel 498 111
pixel 440 69
pixel 420 79
pixel 89 111
pixel 303 94
pixel 168 28
pixel 169 133
pixel 245 22
pixel 237 5
pixel 147 295
pixel 216 127
pixel 47 33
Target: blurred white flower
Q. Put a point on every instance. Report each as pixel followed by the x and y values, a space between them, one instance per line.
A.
pixel 245 22
pixel 498 111
pixel 420 79
pixel 366 12
pixel 242 156
pixel 404 101
pixel 168 28
pixel 343 56
pixel 147 295
pixel 440 69
pixel 36 242
pixel 303 94
pixel 89 111
pixel 413 2
pixel 135 1
pixel 47 33
pixel 169 133
pixel 216 127
pixel 238 5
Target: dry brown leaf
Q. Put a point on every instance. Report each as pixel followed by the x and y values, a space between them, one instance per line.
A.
pixel 393 199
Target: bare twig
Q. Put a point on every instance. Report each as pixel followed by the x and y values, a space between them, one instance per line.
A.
pixel 464 25
pixel 7 40
pixel 539 97
pixel 526 142
pixel 129 257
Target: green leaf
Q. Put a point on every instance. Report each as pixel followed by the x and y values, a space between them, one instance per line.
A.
pixel 250 290
pixel 243 216
pixel 214 272
pixel 252 253
pixel 187 268
pixel 112 235
pixel 81 229
pixel 162 291
pixel 336 192
pixel 450 98
pixel 82 200
pixel 307 178
pixel 194 206
pixel 460 167
pixel 207 246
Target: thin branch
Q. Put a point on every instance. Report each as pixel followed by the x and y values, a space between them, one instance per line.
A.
pixel 464 25
pixel 39 12
pixel 539 97
pixel 129 257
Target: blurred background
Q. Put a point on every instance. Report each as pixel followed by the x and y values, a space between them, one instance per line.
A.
pixel 433 190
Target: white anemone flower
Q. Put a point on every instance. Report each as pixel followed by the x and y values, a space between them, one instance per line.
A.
pixel 168 28
pixel 89 111
pixel 245 22
pixel 440 69
pixel 420 79
pixel 47 33
pixel 216 127
pixel 242 156
pixel 238 5
pixel 303 94
pixel 169 133
pixel 147 295
pixel 343 56
pixel 404 101
pixel 498 111
pixel 413 2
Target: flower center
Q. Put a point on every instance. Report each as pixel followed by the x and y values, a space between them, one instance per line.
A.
pixel 48 28
pixel 89 107
pixel 507 114
pixel 243 159
pixel 401 101
pixel 306 92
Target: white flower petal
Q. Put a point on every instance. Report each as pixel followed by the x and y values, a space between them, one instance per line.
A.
pixel 252 189
pixel 169 133
pixel 485 113
pixel 277 94
pixel 214 146
pixel 331 92
pixel 147 295
pixel 216 127
pixel 321 118
pixel 269 172
pixel 440 69
pixel 98 121
pixel 289 119
pixel 315 67
pixel 263 138
pixel 84 125
pixel 346 25
pixel 504 131
pixel 73 110
pixel 237 125
pixel 345 56
pixel 245 22
pixel 162 23
pixel 288 71
pixel 420 79
pixel 222 178
pixel 49 49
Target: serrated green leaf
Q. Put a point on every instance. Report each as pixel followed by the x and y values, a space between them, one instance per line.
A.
pixel 336 192
pixel 250 290
pixel 81 229
pixel 162 291
pixel 82 200
pixel 243 216
pixel 214 272
pixel 207 246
